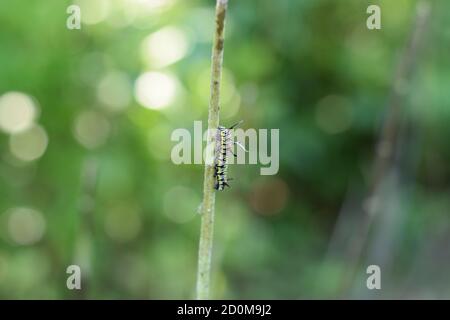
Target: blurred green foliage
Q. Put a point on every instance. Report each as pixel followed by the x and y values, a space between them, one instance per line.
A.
pixel 104 194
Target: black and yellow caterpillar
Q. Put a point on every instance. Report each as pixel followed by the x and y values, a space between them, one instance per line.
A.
pixel 224 144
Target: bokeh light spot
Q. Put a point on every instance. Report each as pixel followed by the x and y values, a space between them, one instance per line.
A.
pixel 154 5
pixel 92 129
pixel 269 196
pixel 114 91
pixel 143 14
pixel 164 47
pixel 123 223
pixel 29 145
pixel 334 114
pixel 155 90
pixel 94 11
pixel 17 112
pixel 25 225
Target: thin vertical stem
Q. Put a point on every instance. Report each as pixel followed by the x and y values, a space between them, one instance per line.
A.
pixel 207 209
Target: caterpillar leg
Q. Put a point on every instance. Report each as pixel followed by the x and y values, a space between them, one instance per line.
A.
pixel 240 146
pixel 236 124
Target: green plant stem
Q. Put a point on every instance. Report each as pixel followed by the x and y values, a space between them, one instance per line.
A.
pixel 207 209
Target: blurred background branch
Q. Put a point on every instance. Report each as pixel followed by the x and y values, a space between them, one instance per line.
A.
pixel 388 142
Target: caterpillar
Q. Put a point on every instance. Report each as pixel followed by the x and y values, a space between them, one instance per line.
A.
pixel 224 144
